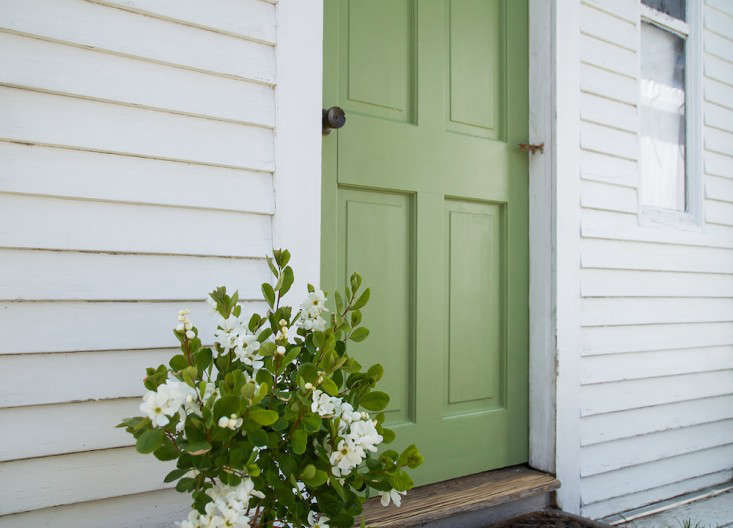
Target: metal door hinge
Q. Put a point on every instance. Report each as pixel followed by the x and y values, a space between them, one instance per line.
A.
pixel 532 148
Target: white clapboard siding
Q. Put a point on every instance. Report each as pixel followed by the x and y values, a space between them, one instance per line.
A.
pixel 596 195
pixel 608 84
pixel 27 169
pixel 609 113
pixel 609 141
pixel 107 325
pixel 43 275
pixel 96 26
pixel 633 422
pixel 721 5
pixel 608 27
pixel 31 117
pixel 718 164
pixel 249 19
pixel 615 254
pixel 610 169
pixel 719 93
pixel 104 226
pixel 637 338
pixel 623 283
pixel 717 212
pixel 716 21
pixel 721 189
pixel 608 56
pixel 31 379
pixel 610 456
pixel 42 65
pixel 612 225
pixel 718 45
pixel 650 496
pixel 631 394
pixel 639 365
pixel 624 9
pixel 43 482
pixel 718 117
pixel 605 311
pixel 155 509
pixel 66 428
pixel 720 141
pixel 718 69
pixel 654 474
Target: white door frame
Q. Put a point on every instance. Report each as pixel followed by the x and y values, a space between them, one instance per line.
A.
pixel 554 262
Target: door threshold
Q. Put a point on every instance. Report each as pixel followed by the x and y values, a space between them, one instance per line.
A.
pixel 496 490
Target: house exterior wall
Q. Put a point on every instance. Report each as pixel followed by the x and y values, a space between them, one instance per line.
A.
pixel 656 301
pixel 143 162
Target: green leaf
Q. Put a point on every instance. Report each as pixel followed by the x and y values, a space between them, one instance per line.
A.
pixel 269 294
pixel 186 484
pixel 258 437
pixel 388 435
pixel 267 349
pixel 361 301
pixel 299 439
pixel 287 280
pixel 329 387
pixel 375 401
pixel 178 362
pixel 360 334
pixel 308 372
pixel 263 416
pixel 312 423
pixel 175 475
pixel 336 485
pixel 355 280
pixel 226 406
pixel 339 302
pixel 355 318
pixel 149 441
pixel 308 472
pixel 318 480
pixel 376 372
pixel 197 447
pixel 166 452
pixel 273 269
pixel 203 359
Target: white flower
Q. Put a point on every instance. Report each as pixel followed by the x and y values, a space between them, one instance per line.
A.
pixel 323 404
pixel 364 434
pixel 317 520
pixel 229 507
pixel 223 422
pixel 169 399
pixel 346 457
pixel 246 349
pixel 393 495
pixel 311 309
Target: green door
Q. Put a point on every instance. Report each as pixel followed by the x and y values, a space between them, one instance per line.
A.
pixel 425 194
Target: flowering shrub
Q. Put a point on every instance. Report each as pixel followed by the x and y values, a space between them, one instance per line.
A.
pixel 274 424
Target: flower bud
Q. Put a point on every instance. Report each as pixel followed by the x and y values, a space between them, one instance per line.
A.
pixel 283 322
pixel 223 421
pixel 190 334
pixel 308 386
pixel 280 350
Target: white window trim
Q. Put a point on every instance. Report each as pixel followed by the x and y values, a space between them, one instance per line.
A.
pixel 691 31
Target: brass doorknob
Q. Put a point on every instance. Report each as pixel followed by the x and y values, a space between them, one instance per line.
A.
pixel 334 117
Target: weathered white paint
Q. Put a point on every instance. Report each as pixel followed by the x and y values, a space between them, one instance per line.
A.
pixel 143 162
pixel 567 192
pixel 542 398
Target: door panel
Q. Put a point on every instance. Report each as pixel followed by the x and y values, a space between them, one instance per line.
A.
pixel 425 194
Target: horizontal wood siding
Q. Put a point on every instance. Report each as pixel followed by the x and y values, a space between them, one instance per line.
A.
pixel 136 175
pixel 656 367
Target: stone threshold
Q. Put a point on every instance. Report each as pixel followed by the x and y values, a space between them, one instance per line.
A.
pixel 431 504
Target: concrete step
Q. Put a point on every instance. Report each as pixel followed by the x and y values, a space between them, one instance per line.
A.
pixel 468 502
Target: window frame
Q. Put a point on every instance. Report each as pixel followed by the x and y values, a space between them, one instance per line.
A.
pixel 691 30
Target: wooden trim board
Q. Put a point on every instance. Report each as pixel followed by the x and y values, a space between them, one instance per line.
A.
pixel 460 495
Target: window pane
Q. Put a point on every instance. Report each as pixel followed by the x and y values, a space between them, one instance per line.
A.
pixel 674 8
pixel 662 113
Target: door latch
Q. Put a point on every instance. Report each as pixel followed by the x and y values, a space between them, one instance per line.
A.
pixel 532 148
pixel 334 117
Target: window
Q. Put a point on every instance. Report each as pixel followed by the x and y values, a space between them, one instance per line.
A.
pixel 668 108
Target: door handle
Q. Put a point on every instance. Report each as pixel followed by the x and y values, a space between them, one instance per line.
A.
pixel 334 117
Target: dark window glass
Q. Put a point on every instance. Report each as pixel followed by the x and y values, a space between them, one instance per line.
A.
pixel 674 8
